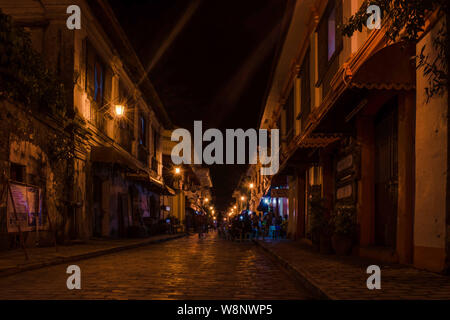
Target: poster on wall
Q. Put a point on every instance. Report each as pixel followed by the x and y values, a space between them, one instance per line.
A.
pixel 28 204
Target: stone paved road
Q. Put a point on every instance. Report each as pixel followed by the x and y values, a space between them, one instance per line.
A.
pixel 186 268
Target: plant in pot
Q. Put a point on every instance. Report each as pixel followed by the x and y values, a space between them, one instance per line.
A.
pixel 320 228
pixel 344 228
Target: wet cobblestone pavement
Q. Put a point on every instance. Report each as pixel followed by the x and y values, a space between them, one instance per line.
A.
pixel 186 268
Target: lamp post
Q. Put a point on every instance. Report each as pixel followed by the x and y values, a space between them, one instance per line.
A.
pixel 250 187
pixel 242 202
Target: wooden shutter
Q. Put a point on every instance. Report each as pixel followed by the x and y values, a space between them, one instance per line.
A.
pixel 306 88
pixel 90 70
pixel 107 87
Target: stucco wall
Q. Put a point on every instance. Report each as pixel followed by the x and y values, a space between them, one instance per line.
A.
pixel 431 171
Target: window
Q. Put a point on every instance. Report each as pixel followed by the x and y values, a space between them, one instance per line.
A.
pixel 331 33
pixel 95 74
pixel 17 172
pixel 329 37
pixel 142 130
pixel 98 82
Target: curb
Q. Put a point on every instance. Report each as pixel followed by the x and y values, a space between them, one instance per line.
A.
pixel 84 256
pixel 300 275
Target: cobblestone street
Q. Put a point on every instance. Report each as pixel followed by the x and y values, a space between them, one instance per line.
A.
pixel 186 268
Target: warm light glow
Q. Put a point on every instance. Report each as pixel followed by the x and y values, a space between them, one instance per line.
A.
pixel 206 200
pixel 120 110
pixel 251 185
pixel 177 170
pixel 230 214
pixel 213 212
pixel 210 208
pixel 235 207
pixel 242 198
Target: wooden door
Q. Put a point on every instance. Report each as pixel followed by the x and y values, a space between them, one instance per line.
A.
pixel 386 175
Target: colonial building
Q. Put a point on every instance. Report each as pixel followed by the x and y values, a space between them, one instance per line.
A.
pixel 108 179
pixel 359 131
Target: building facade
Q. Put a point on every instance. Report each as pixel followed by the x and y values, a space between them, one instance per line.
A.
pixel 359 131
pixel 97 166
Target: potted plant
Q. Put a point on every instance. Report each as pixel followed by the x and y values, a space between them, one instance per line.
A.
pixel 320 229
pixel 344 227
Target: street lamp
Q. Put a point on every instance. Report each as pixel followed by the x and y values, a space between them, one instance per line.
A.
pixel 251 185
pixel 177 170
pixel 206 200
pixel 120 110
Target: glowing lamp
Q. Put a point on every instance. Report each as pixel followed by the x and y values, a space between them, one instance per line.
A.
pixel 120 110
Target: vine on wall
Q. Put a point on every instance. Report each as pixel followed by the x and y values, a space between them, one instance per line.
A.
pixel 24 76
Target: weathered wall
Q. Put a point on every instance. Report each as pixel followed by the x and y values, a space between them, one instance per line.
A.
pixel 30 142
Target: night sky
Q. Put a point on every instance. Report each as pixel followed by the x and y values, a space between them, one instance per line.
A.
pixel 209 60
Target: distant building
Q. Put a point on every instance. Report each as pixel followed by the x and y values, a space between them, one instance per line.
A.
pixel 192 185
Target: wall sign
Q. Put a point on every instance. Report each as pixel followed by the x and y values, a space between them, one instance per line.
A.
pixel 279 193
pixel 344 192
pixel 28 204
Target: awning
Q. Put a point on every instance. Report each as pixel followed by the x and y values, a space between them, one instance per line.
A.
pixel 168 191
pixel 152 183
pixel 111 155
pixel 390 68
pixel 319 140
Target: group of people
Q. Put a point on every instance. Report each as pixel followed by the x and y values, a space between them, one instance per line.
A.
pixel 201 225
pixel 252 226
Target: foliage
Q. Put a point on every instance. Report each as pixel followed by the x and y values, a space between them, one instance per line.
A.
pixel 404 20
pixel 24 77
pixel 317 211
pixel 343 220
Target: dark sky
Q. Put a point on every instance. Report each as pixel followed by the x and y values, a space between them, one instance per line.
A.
pixel 209 60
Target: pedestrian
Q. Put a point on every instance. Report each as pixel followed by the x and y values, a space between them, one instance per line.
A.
pixel 199 225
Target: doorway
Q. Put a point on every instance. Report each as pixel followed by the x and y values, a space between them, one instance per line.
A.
pixel 386 174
